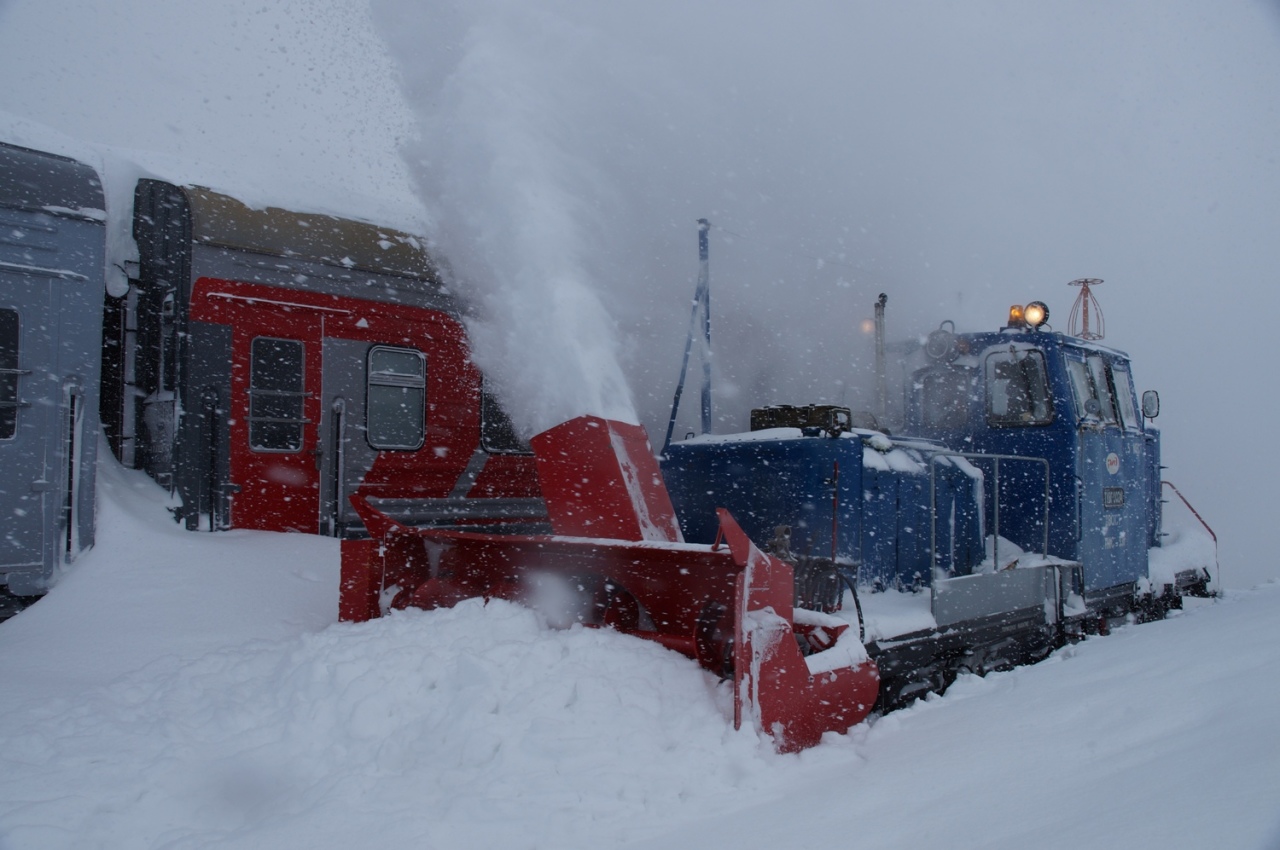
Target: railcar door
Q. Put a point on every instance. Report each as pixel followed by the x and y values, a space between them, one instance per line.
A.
pixel 342 403
pixel 26 412
pixel 41 432
pixel 276 412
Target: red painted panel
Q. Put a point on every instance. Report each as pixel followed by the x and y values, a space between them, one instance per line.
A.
pixel 602 480
pixel 280 491
pixel 507 476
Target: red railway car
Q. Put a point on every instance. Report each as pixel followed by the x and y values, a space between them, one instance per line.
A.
pixel 267 364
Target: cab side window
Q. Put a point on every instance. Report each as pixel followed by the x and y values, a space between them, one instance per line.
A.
pixel 1082 391
pixel 1017 389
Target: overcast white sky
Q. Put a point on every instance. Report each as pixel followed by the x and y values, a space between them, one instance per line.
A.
pixel 958 157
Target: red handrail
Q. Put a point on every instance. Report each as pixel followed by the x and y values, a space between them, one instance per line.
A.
pixel 1217 567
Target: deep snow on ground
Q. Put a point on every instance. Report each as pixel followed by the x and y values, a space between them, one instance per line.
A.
pixel 185 690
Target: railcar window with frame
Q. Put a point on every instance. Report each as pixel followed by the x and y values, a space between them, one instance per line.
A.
pixel 1018 389
pixel 396 400
pixel 277 395
pixel 9 372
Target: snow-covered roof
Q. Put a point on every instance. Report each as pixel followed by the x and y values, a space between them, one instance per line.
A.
pixel 45 182
pixel 221 220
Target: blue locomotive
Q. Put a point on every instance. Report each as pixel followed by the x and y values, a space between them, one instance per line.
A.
pixel 1066 405
pixel 1022 511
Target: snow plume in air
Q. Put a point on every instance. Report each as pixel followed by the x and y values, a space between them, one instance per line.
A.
pixel 503 103
pixel 279 104
pixel 958 157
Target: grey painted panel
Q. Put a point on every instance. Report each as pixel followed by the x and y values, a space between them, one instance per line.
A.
pixel 51 274
pixel 972 597
pixel 27 460
pixel 345 455
pixel 159 299
pixel 202 464
pixel 442 512
pixel 34 180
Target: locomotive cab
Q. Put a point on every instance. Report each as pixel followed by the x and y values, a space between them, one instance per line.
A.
pixel 1052 417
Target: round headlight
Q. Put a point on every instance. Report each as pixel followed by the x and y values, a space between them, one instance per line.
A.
pixel 941 345
pixel 1036 314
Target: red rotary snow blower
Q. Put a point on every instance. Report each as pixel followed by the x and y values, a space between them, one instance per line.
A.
pixel 617 560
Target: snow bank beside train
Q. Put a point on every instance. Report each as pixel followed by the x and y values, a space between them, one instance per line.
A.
pixel 470 726
pixel 194 690
pixel 149 590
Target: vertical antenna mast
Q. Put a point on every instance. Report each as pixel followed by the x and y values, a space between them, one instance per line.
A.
pixel 1078 324
pixel 882 383
pixel 701 304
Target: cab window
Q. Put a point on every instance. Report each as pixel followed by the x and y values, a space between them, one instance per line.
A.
pixel 1102 388
pixel 1082 390
pixel 1103 392
pixel 1124 396
pixel 1018 389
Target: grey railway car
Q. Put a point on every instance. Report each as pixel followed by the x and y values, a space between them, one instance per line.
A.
pixel 52 254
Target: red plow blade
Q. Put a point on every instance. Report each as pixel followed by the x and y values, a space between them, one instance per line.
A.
pixel 616 560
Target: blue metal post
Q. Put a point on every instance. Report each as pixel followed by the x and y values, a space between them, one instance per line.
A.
pixel 704 287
